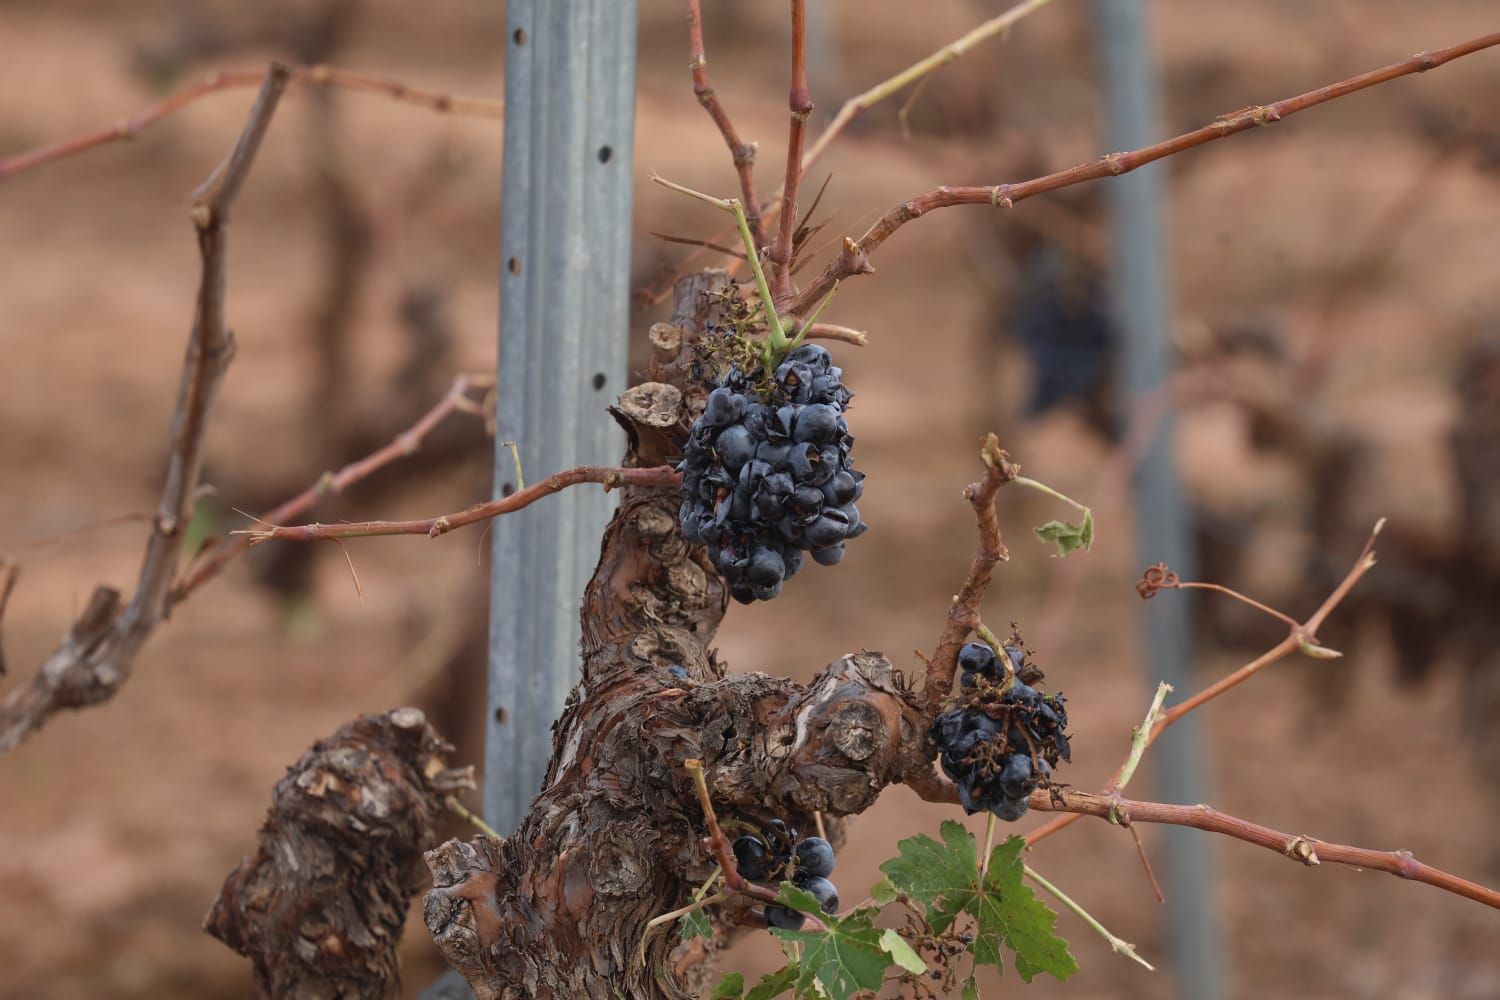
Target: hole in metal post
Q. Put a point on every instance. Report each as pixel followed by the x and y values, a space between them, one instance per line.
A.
pixel 599 381
pixel 501 714
pixel 605 154
pixel 507 489
pixel 520 36
pixel 513 265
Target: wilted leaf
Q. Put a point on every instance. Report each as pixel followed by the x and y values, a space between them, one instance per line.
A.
pixel 901 953
pixel 1067 535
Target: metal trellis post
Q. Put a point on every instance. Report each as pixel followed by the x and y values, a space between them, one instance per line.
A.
pixel 564 316
pixel 1141 291
pixel 564 312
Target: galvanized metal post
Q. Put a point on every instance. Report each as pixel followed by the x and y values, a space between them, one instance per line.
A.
pixel 1142 283
pixel 564 309
pixel 564 313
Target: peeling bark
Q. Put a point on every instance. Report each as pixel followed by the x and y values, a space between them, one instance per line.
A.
pixel 615 837
pixel 319 908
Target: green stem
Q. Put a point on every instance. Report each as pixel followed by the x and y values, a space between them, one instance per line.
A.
pixel 1140 737
pixel 993 641
pixel 515 455
pixel 1044 488
pixel 464 811
pixel 807 323
pixel 776 336
pixel 989 839
pixel 1117 945
pixel 776 340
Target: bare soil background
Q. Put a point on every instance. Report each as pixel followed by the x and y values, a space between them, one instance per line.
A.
pixel 118 824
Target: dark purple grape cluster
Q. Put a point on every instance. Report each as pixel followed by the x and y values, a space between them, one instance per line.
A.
pixel 1002 737
pixel 780 855
pixel 766 473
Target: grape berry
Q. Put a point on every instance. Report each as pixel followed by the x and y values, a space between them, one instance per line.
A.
pixel 767 475
pixel 1002 737
pixel 780 855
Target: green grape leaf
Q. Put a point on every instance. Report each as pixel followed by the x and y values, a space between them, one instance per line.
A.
pixel 943 878
pixel 776 983
pixel 971 989
pixel 1067 535
pixel 729 988
pixel 1007 910
pixel 901 953
pixel 842 960
pixel 883 892
pixel 695 925
pixel 940 877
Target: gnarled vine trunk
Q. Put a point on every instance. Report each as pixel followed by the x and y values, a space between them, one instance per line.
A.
pixel 616 836
pixel 320 907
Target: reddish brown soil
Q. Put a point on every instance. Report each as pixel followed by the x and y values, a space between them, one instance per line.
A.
pixel 117 825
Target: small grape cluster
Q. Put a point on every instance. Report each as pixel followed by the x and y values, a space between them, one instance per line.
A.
pixel 767 475
pixel 779 855
pixel 1003 737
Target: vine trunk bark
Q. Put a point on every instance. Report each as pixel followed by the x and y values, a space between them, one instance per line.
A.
pixel 559 910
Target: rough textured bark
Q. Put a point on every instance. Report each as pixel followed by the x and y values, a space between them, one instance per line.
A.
pixel 615 837
pixel 319 908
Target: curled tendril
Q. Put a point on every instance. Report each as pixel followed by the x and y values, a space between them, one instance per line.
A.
pixel 1156 578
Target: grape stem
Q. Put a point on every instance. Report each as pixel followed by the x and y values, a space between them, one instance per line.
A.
pixel 776 339
pixel 1118 945
pixel 1140 737
pixel 989 840
pixel 991 640
pixel 718 844
pixel 459 809
pixel 806 326
pixel 515 455
pixel 1044 488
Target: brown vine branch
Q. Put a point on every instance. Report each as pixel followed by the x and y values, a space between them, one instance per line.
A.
pixel 1140 850
pixel 403 445
pixel 96 656
pixel 1300 638
pixel 1308 850
pixel 843 334
pixel 963 614
pixel 329 76
pixel 663 476
pixel 727 251
pixel 851 110
pixel 799 100
pixel 1114 164
pixel 719 845
pixel 916 72
pixel 741 151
